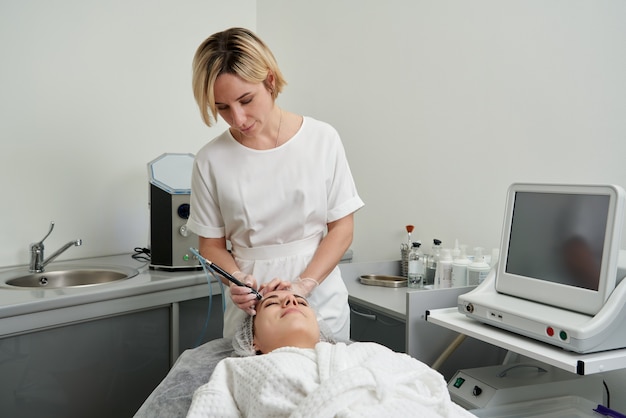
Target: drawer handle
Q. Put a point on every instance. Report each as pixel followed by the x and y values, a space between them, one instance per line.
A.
pixel 371 317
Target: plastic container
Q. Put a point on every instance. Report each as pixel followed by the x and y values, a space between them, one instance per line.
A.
pixel 404 251
pixel 431 263
pixel 459 268
pixel 404 257
pixel 416 267
pixel 495 257
pixel 443 276
pixel 477 271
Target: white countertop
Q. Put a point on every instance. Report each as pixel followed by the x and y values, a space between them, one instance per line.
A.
pixel 388 300
pixel 24 309
pixel 16 301
pixel 21 309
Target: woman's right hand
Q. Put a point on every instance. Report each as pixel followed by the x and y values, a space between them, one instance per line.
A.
pixel 241 295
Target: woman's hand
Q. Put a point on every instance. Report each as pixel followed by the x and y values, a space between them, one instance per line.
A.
pixel 274 284
pixel 303 286
pixel 241 295
pixel 300 286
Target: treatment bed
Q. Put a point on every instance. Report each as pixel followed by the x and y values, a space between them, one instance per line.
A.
pixel 172 397
pixel 360 379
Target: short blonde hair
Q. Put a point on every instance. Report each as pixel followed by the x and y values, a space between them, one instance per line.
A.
pixel 235 51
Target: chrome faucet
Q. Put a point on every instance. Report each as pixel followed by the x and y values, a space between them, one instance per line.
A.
pixel 37 262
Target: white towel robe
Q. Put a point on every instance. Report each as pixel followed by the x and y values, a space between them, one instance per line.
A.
pixel 332 380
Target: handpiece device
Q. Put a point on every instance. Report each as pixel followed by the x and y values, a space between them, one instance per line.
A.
pixel 231 278
pixel 224 273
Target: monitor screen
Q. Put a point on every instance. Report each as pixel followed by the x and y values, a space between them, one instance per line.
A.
pixel 558 237
pixel 560 244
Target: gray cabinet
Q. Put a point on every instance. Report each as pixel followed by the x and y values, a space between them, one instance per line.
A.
pixel 371 325
pixel 198 325
pixel 101 368
pixel 104 367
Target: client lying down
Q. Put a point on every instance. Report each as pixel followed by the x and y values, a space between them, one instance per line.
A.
pixel 291 368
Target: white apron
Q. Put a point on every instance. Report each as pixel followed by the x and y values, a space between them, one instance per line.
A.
pixel 287 261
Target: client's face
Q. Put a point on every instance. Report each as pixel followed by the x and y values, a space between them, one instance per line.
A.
pixel 284 319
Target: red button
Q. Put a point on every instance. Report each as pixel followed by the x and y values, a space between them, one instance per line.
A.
pixel 550 331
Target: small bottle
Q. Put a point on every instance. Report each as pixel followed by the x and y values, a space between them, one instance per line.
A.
pixel 404 259
pixel 431 264
pixel 495 257
pixel 459 268
pixel 456 251
pixel 443 276
pixel 477 271
pixel 416 267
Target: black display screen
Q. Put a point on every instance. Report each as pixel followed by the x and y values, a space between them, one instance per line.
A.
pixel 558 237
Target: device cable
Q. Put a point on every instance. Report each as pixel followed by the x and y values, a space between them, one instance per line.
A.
pixel 608 394
pixel 208 272
pixel 141 254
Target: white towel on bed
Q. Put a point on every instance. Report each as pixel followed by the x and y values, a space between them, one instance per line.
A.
pixel 332 380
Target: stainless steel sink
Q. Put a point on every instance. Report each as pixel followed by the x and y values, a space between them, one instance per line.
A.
pixel 76 276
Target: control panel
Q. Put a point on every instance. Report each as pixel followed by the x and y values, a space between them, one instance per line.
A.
pixel 470 392
pixel 490 386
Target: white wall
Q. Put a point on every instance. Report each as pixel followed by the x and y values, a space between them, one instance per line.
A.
pixel 443 104
pixel 91 91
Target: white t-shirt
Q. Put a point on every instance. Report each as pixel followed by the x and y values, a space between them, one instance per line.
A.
pixel 269 199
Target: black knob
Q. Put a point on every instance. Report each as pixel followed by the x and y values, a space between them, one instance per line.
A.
pixel 476 391
pixel 183 210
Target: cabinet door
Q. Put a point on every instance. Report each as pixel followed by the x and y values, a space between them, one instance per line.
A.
pixel 369 325
pixel 198 325
pixel 101 368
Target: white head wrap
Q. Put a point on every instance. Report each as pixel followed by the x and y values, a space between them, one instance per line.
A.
pixel 243 341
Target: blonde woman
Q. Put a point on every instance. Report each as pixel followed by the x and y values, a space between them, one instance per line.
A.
pixel 275 184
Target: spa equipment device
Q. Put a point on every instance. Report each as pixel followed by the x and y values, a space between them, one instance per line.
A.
pixel 486 387
pixel 170 191
pixel 558 279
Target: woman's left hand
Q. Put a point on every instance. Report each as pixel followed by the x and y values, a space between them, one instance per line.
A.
pixel 274 284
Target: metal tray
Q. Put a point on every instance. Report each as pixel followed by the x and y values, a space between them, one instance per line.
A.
pixel 382 280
